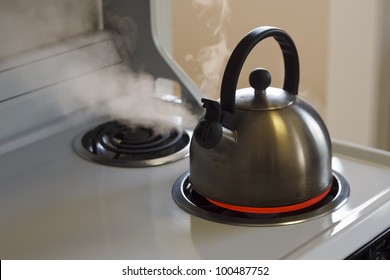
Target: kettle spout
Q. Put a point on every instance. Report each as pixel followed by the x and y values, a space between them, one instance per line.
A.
pixel 210 133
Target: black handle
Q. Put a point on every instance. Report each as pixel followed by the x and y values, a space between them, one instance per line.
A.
pixel 241 52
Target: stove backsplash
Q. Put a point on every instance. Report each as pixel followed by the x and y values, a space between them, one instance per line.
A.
pixel 81 71
pixel 26 25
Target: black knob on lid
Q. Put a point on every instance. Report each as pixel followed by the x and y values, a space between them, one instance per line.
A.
pixel 260 79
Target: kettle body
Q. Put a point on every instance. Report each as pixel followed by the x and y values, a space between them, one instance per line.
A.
pixel 261 147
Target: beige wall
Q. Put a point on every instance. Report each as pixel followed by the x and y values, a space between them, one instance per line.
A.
pixel 305 21
pixel 344 50
pixel 358 96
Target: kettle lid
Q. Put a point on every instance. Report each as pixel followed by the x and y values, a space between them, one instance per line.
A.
pixel 261 96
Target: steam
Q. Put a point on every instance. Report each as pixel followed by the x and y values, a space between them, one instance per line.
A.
pixel 136 96
pixel 216 24
pixel 119 93
pixel 139 100
pixel 213 58
pixel 115 91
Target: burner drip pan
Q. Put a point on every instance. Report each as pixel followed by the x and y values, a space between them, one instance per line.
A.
pixel 120 143
pixel 194 203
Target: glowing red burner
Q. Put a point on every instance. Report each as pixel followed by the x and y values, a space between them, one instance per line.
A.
pixel 273 210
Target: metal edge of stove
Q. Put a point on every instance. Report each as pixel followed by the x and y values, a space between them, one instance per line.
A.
pixel 361 152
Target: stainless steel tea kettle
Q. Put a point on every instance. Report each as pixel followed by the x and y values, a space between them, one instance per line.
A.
pixel 262 147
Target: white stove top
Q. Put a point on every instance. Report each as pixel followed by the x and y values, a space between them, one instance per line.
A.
pixel 57 205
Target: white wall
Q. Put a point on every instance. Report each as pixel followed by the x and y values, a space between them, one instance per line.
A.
pixel 357 90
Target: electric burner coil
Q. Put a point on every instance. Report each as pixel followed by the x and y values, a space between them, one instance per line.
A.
pixel 120 143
